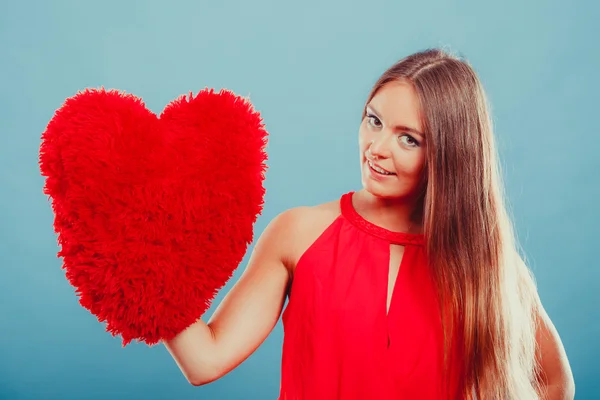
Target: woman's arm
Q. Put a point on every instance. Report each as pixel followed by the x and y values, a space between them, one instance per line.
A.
pixel 556 377
pixel 248 313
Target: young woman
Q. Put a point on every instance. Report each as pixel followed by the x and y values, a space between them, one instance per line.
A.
pixel 411 287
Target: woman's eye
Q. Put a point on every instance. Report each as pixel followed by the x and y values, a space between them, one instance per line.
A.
pixel 373 121
pixel 409 140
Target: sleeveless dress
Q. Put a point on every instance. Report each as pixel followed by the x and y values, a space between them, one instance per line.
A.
pixel 339 340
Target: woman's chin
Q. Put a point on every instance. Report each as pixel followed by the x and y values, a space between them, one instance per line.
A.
pixel 375 188
pixel 383 190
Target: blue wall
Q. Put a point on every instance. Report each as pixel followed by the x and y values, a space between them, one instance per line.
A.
pixel 308 67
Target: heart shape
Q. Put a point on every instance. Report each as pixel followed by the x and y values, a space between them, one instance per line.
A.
pixel 153 213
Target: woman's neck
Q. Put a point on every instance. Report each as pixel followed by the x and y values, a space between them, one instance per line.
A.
pixel 397 215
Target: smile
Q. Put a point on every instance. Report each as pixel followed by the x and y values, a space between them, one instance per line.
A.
pixel 378 169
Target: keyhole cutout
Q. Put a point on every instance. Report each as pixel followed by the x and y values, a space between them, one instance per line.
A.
pixel 396 255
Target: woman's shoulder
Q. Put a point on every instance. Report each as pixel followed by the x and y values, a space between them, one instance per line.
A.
pixel 305 218
pixel 299 227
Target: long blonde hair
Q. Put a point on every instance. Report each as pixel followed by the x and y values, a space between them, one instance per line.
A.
pixel 490 295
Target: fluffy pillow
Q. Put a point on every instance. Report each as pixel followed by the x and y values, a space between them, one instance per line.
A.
pixel 153 213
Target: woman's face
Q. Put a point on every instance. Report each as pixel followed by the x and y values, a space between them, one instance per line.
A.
pixel 391 142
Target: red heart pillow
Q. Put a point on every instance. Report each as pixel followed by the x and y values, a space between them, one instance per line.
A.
pixel 153 214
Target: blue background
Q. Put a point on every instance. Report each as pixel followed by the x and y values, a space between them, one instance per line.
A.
pixel 308 67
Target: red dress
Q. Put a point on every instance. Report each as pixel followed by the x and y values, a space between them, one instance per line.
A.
pixel 339 341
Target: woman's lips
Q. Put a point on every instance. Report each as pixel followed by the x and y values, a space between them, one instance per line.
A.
pixel 378 169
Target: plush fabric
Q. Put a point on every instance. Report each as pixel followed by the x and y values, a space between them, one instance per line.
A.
pixel 153 213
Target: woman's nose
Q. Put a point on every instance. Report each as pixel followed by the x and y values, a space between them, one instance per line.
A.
pixel 379 147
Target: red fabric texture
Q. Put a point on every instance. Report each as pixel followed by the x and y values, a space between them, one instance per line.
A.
pixel 153 213
pixel 338 341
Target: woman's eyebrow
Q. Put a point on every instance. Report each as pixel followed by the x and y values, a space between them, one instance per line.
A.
pixel 397 127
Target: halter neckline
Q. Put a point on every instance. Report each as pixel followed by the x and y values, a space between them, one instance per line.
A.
pixel 401 238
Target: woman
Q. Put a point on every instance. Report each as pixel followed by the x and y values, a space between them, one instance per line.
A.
pixel 409 288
